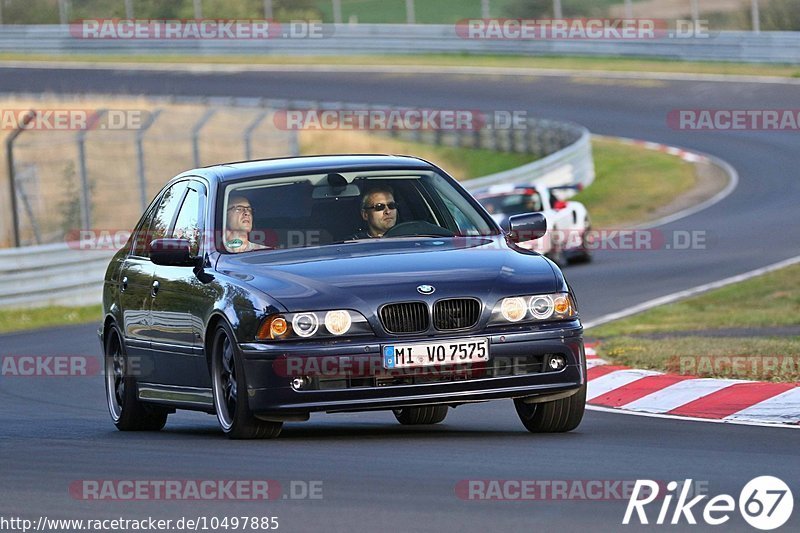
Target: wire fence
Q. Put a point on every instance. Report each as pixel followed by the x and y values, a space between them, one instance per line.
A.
pixel 67 179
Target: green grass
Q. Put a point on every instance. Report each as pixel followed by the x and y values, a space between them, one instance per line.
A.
pixel 394 11
pixel 25 319
pixel 769 300
pixel 756 358
pixel 632 183
pixel 578 64
pixel 479 162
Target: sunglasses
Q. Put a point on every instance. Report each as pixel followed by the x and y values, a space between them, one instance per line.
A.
pixel 380 207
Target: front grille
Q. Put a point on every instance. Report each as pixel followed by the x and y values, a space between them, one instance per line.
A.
pixel 408 317
pixel 456 313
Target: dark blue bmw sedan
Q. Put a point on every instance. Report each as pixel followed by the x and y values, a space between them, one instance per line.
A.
pixel 263 291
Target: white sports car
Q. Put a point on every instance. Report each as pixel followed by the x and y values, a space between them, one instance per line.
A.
pixel 568 223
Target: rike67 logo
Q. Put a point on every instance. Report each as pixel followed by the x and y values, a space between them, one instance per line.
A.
pixel 765 503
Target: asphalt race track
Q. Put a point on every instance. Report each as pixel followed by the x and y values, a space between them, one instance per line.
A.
pixel 375 473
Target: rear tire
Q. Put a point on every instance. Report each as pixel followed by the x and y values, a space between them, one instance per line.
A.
pixel 127 412
pixel 553 417
pixel 422 415
pixel 229 386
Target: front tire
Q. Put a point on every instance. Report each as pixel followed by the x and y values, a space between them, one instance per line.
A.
pixel 422 415
pixel 230 391
pixel 127 412
pixel 557 416
pixel 556 253
pixel 585 254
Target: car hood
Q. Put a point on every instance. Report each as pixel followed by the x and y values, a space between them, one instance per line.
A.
pixel 363 275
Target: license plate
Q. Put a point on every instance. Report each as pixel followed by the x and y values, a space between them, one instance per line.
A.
pixel 406 355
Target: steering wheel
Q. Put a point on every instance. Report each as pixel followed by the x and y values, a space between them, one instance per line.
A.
pixel 418 227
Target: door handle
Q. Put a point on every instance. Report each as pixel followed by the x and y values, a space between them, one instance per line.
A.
pixel 124 284
pixel 154 291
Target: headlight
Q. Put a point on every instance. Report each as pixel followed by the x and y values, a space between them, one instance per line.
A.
pixel 306 325
pixel 513 309
pixel 533 308
pixel 541 306
pixel 338 322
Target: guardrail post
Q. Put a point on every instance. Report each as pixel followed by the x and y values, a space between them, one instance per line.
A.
pixel 30 115
pixel 756 16
pixel 527 137
pixel 86 203
pixel 140 157
pixel 196 134
pixel 337 11
pixel 248 133
pixel 411 17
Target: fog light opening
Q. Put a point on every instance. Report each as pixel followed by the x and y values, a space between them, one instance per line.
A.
pixel 556 362
pixel 300 383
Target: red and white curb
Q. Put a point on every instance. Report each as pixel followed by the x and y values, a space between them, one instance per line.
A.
pixel 686 155
pixel 722 400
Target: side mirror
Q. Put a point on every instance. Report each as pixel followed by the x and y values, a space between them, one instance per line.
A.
pixel 527 227
pixel 559 204
pixel 172 252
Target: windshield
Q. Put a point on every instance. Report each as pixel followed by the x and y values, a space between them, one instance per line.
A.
pixel 321 209
pixel 512 204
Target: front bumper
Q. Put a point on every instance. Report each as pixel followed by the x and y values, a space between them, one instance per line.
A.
pixel 512 372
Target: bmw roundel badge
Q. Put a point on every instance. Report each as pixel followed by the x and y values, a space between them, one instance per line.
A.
pixel 426 289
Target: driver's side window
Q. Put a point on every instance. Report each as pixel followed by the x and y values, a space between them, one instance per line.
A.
pixel 187 225
pixel 161 221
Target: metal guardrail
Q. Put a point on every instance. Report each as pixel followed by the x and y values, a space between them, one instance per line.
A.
pixel 65 274
pixel 572 165
pixel 360 39
pixel 51 274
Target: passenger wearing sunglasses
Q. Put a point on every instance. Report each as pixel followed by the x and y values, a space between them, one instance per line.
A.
pixel 379 212
pixel 239 224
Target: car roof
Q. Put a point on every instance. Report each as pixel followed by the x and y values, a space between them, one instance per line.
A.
pixel 505 189
pixel 311 164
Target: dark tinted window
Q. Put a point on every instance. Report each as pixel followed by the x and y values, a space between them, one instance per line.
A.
pixel 162 219
pixel 187 225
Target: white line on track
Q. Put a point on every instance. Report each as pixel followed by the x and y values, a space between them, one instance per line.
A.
pixel 675 296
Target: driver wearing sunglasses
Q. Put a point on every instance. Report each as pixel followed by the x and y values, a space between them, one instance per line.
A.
pixel 379 212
